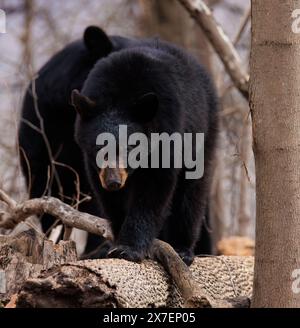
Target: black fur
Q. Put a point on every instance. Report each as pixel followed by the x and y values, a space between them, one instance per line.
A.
pixel 154 202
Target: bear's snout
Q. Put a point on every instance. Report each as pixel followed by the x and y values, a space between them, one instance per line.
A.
pixel 113 179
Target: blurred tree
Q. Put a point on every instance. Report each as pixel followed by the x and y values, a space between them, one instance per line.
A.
pixel 168 20
pixel 26 37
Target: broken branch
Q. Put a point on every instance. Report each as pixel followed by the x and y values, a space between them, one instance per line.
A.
pixel 17 213
pixel 220 42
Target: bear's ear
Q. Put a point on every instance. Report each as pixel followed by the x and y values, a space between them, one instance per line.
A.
pixel 97 41
pixel 145 108
pixel 83 105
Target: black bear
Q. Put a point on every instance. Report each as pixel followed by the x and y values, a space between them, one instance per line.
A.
pixel 149 86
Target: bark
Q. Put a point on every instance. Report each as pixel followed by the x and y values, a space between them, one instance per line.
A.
pixel 210 282
pixel 25 255
pixel 222 282
pixel 274 101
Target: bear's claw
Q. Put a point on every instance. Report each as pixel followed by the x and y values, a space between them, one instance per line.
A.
pixel 125 252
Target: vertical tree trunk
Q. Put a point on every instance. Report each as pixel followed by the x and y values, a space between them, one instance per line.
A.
pixel 275 106
pixel 26 37
pixel 168 20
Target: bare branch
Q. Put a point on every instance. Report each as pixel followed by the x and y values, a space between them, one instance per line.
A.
pixel 182 276
pixel 244 21
pixel 220 42
pixel 53 206
pixel 7 200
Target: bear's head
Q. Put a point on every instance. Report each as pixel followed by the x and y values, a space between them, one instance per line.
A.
pixel 126 94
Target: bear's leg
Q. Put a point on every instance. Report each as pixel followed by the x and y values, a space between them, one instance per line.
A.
pixel 147 213
pixel 186 222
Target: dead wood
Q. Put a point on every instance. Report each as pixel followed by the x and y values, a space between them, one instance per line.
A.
pixel 36 253
pixel 220 42
pixel 25 255
pixel 222 282
pixel 17 213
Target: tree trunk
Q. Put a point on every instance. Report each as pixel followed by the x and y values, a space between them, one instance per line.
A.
pixel 168 20
pixel 224 281
pixel 275 101
pixel 26 37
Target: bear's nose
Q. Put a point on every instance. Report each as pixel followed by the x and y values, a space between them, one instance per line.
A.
pixel 113 186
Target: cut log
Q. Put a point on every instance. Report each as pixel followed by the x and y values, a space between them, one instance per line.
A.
pixel 236 245
pixel 225 282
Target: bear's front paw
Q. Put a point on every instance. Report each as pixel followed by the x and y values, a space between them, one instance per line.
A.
pixel 126 253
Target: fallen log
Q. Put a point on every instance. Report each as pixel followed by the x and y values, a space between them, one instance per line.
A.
pixel 82 278
pixel 223 281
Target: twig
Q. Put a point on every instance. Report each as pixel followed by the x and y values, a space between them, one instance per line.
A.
pixel 53 172
pixel 68 230
pixel 8 200
pixel 244 22
pixel 77 182
pixel 220 42
pixel 25 157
